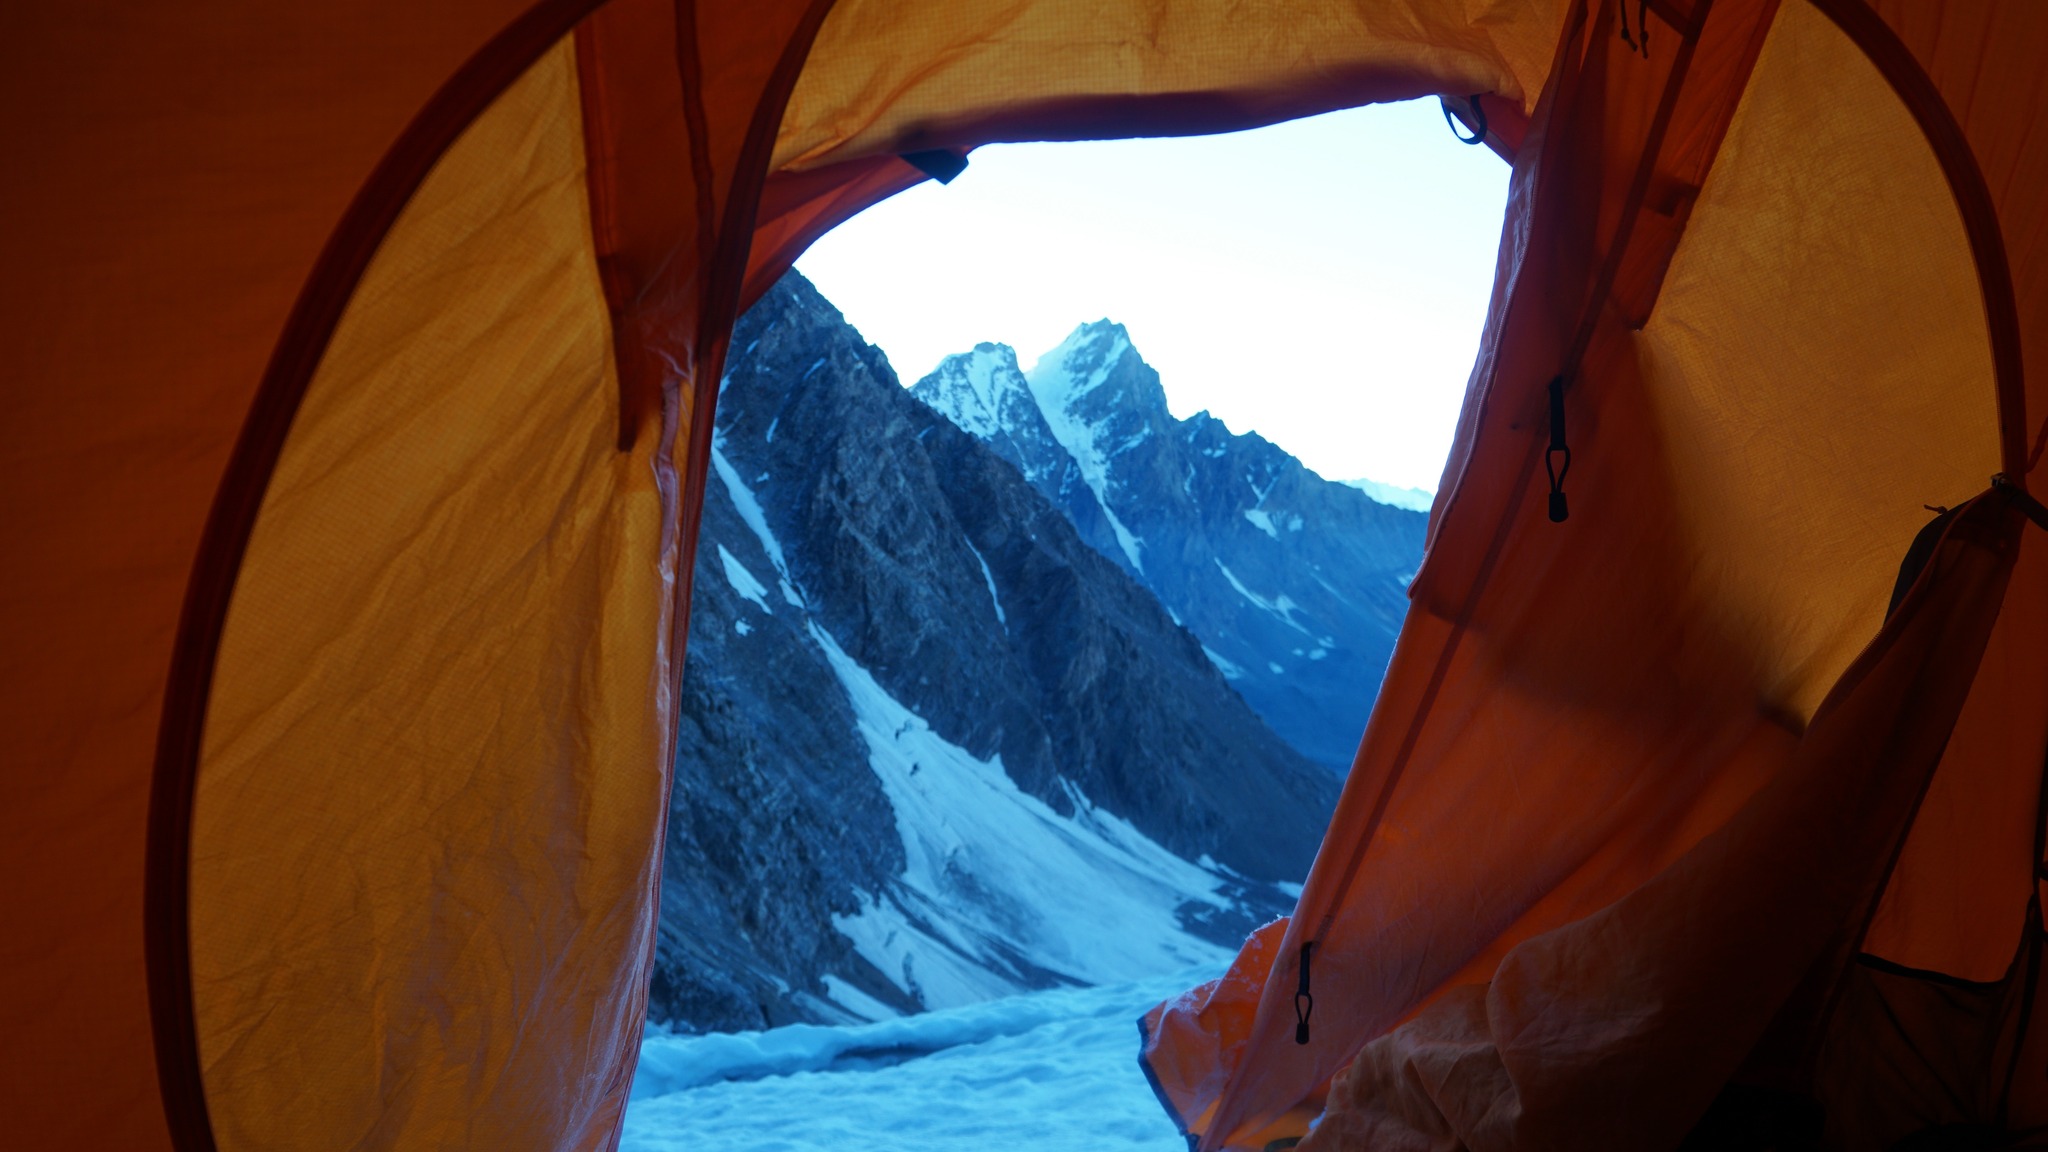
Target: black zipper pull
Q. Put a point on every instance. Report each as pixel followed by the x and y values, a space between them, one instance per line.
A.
pixel 1559 509
pixel 1304 1004
pixel 1640 42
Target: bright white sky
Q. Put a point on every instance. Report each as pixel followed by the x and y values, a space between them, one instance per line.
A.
pixel 1322 282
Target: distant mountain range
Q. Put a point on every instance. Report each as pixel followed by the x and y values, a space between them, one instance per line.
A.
pixel 935 745
pixel 1295 585
pixel 1413 499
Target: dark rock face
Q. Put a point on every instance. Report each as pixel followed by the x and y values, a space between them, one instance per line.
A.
pixel 852 532
pixel 775 821
pixel 985 393
pixel 1295 585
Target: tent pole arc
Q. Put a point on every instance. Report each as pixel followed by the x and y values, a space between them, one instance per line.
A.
pixel 1916 90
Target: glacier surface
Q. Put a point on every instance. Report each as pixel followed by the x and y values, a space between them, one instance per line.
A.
pixel 1051 1071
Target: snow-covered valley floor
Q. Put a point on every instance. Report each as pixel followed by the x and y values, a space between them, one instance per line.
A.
pixel 1053 1071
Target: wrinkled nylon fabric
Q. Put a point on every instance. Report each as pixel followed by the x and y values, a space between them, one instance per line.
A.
pixel 1958 897
pixel 889 77
pixel 528 723
pixel 675 205
pixel 1964 877
pixel 1615 755
pixel 1818 363
pixel 1905 1053
pixel 1617 1030
pixel 433 755
pixel 1747 472
pixel 1828 217
pixel 799 207
pixel 172 173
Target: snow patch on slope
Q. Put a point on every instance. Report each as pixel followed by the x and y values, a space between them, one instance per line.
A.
pixel 999 890
pixel 1230 671
pixel 1001 894
pixel 1284 606
pixel 743 581
pixel 755 519
pixel 856 1001
pixel 989 579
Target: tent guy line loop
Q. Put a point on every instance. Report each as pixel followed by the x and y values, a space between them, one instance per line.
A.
pixel 1477 124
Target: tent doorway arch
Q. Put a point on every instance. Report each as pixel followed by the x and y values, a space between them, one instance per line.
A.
pixel 179 180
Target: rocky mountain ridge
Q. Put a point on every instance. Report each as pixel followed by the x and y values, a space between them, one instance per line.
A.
pixel 1295 585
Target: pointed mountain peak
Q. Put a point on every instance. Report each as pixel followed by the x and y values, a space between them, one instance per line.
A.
pixel 983 391
pixel 1094 372
pixel 992 352
pixel 1084 359
pixel 988 365
pixel 1103 329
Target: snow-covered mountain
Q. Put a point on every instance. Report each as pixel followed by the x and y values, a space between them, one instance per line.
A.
pixel 986 394
pixel 933 747
pixel 1295 585
pixel 1413 499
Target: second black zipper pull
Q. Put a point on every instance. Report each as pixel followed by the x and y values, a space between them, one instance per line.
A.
pixel 1559 508
pixel 1304 1003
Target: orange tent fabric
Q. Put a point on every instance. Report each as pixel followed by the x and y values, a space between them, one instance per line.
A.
pixel 1585 728
pixel 361 364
